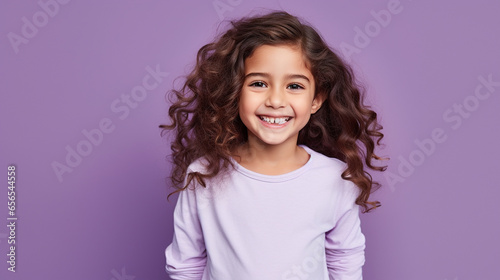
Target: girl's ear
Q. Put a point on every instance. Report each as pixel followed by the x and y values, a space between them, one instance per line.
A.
pixel 317 102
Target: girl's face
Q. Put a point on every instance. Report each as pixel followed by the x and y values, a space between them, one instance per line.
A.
pixel 277 98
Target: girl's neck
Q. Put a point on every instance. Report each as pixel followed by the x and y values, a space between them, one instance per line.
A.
pixel 271 159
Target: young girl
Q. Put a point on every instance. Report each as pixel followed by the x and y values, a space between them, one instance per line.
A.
pixel 271 142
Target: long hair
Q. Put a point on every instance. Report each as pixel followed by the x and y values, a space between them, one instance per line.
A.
pixel 204 111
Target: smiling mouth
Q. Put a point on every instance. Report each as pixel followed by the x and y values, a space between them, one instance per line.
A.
pixel 271 120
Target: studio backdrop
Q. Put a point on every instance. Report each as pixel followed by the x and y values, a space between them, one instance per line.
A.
pixel 85 171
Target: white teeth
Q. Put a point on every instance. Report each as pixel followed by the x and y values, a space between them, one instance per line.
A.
pixel 274 120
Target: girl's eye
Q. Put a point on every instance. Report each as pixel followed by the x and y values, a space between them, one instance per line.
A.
pixel 295 86
pixel 257 84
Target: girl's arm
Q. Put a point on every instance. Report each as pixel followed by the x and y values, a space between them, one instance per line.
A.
pixel 186 257
pixel 345 243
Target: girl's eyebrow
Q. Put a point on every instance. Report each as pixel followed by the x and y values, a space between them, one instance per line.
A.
pixel 267 75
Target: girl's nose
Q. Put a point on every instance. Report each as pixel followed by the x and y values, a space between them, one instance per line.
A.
pixel 276 98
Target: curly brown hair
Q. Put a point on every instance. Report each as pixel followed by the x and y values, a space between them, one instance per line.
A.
pixel 204 111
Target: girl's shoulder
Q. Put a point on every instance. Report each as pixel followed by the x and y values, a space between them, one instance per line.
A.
pixel 320 160
pixel 199 165
pixel 330 169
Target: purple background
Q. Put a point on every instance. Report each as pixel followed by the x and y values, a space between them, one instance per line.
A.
pixel 109 219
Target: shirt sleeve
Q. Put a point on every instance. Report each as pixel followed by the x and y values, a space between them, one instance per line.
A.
pixel 345 243
pixel 186 256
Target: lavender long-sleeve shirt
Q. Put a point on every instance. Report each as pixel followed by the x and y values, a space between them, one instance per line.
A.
pixel 249 226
